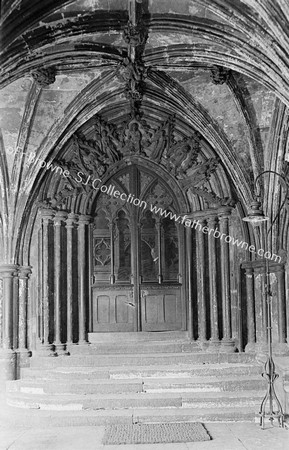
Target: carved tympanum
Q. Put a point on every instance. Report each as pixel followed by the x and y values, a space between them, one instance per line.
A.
pixel 108 144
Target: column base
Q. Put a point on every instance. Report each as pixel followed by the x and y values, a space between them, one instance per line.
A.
pixel 227 346
pixel 8 364
pixel 203 344
pixel 214 345
pixel 70 346
pixel 45 350
pixel 61 349
pixel 261 351
pixel 281 349
pixel 250 347
pixel 22 359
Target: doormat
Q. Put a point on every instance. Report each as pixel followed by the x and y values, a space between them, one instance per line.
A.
pixel 154 433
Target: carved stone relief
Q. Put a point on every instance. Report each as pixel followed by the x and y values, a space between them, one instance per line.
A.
pixel 136 137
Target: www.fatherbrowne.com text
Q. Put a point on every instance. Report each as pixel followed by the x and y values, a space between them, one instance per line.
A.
pixel 130 198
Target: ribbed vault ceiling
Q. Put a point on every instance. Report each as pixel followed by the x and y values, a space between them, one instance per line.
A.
pixel 82 42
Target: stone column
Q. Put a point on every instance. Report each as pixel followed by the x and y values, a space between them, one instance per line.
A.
pixel 202 309
pixel 281 347
pixel 59 217
pixel 47 216
pixel 159 239
pixel 23 275
pixel 22 316
pixel 227 344
pixel 261 310
pixel 7 354
pixel 134 272
pixel 70 224
pixel 7 274
pixel 251 328
pixel 112 252
pixel 83 221
pixel 214 340
pixel 189 274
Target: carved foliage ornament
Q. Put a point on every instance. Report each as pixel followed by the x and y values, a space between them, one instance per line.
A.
pixel 134 35
pixel 58 202
pixel 133 74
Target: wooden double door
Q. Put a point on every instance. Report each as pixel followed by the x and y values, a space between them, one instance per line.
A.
pixel 138 256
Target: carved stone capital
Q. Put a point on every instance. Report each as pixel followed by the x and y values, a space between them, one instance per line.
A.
pixel 59 217
pixel 212 220
pixel 47 214
pixel 83 219
pixel 8 270
pixel 24 272
pixel 44 76
pixel 224 212
pixel 71 220
pixel 219 74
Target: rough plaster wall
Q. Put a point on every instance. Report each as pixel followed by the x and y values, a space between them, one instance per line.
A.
pixel 263 101
pixel 93 5
pixel 156 39
pixel 181 7
pixel 219 102
pixel 12 105
pixel 53 101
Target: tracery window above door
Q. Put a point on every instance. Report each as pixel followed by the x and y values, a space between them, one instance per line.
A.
pixel 123 229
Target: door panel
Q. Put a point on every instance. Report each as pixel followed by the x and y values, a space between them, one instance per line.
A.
pixel 112 310
pixel 137 261
pixel 161 309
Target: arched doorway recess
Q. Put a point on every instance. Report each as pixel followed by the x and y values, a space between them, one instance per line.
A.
pixel 138 257
pixel 108 263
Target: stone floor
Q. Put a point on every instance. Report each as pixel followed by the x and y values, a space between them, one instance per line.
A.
pixel 226 436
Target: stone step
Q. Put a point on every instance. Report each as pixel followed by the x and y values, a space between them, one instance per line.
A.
pixel 148 385
pixel 157 371
pixel 139 359
pixel 136 337
pixel 65 373
pixel 204 384
pixel 149 382
pixel 185 371
pixel 226 399
pixel 42 418
pixel 243 414
pixel 78 387
pixel 94 402
pixel 133 348
pixel 135 400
